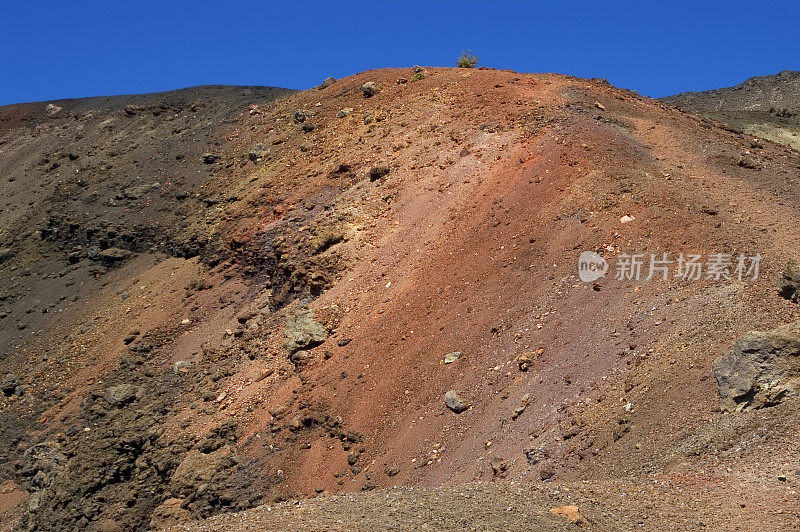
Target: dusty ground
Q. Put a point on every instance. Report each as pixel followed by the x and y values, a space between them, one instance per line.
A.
pixel 496 182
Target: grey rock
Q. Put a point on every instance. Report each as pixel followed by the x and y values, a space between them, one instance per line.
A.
pixel 121 394
pixel 370 89
pixel 761 370
pixel 455 402
pixel 9 384
pixel 300 116
pixel 344 112
pixel 449 358
pixel 259 151
pixel 303 331
pixel 789 282
pixel 378 172
pixel 5 254
pixel 52 110
pixel 210 158
pixel 181 366
pixel 114 255
pixel 327 83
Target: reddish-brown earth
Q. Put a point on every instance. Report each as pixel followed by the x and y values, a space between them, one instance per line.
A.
pixel 497 181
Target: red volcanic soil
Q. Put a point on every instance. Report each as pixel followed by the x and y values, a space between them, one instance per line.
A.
pixel 469 243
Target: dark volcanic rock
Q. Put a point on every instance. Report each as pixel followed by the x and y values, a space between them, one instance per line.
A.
pixel 761 370
pixel 789 282
pixel 378 172
pixel 455 402
pixel 9 384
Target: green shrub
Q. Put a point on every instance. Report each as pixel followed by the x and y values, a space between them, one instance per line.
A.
pixel 467 60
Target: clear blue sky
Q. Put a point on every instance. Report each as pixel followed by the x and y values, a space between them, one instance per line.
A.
pixel 57 49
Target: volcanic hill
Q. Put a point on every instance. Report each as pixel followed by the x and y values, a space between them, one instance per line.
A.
pixel 246 295
pixel 763 106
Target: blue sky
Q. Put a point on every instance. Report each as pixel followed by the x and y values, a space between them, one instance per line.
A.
pixel 58 49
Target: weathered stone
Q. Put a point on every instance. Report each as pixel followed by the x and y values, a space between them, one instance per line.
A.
pixel 455 402
pixel 369 89
pixel 377 172
pixel 52 109
pixel 210 158
pixel 789 281
pixel 499 467
pixel 303 331
pixel 761 370
pixel 114 255
pixel 197 468
pixel 181 366
pixel 344 112
pixel 327 83
pixel 168 514
pixel 121 394
pixel 9 384
pixel 259 151
pixel 571 514
pixel 300 116
pixel 449 358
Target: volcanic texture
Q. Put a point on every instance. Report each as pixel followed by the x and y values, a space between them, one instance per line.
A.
pixel 228 297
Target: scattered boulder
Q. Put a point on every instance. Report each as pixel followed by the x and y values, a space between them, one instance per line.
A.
pixel 761 370
pixel 303 331
pixel 327 83
pixel 449 358
pixel 525 361
pixel 571 514
pixel 181 366
pixel 9 384
pixel 344 112
pixel 370 89
pixel 259 151
pixel 121 394
pixel 114 255
pixel 789 282
pixel 52 110
pixel 131 110
pixel 747 161
pixel 455 402
pixel 377 172
pixel 534 455
pixel 522 406
pixel 210 158
pixel 391 470
pixel 300 116
pixel 499 467
pixel 5 254
pixel 308 128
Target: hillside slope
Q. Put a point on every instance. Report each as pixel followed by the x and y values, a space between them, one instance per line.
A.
pixel 274 320
pixel 766 107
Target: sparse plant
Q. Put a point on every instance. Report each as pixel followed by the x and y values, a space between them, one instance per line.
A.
pixel 467 60
pixel 419 73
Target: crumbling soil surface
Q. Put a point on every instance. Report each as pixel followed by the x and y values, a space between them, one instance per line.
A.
pixel 268 317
